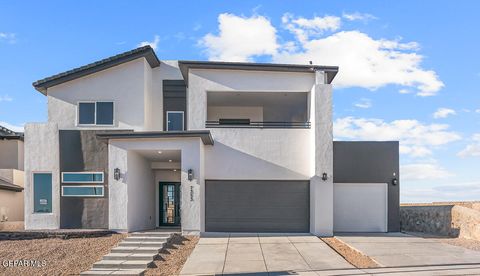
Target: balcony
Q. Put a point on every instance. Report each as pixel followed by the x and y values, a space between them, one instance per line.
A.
pixel 257 110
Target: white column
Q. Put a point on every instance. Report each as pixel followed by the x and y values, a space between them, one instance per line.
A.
pixel 117 189
pixel 321 191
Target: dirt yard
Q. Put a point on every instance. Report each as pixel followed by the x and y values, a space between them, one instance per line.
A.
pixel 466 243
pixel 172 258
pixel 53 256
pixel 354 257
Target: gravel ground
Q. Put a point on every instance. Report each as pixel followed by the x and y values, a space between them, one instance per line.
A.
pixel 172 258
pixel 54 256
pixel 352 256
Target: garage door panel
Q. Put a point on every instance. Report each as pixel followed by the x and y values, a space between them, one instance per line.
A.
pixel 360 207
pixel 256 206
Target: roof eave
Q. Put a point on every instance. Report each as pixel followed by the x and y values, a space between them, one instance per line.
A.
pixel 146 52
pixel 185 65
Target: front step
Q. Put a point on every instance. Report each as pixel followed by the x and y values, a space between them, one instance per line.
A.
pixel 140 249
pixel 122 264
pixel 129 256
pixel 142 244
pixel 125 272
pixel 132 255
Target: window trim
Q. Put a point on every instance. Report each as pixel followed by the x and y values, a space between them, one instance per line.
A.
pixel 87 182
pixel 95 114
pixel 84 186
pixel 33 192
pixel 183 119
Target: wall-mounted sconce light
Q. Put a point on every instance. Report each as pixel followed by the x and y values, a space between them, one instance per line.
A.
pixel 324 176
pixel 394 181
pixel 190 174
pixel 116 174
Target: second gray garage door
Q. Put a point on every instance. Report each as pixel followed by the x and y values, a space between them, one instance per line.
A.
pixel 257 206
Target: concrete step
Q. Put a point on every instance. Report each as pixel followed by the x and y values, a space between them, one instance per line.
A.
pixel 152 234
pixel 122 264
pixel 141 244
pixel 147 239
pixel 129 256
pixel 132 250
pixel 125 272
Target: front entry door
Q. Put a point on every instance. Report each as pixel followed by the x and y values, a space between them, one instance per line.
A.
pixel 169 204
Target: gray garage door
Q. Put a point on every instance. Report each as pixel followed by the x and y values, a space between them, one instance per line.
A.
pixel 257 206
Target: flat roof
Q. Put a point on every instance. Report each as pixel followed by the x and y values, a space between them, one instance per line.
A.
pixel 205 135
pixel 142 52
pixel 185 65
pixel 7 185
pixel 7 134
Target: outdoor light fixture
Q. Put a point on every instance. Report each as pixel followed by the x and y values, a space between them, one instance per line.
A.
pixel 324 177
pixel 190 174
pixel 394 181
pixel 116 174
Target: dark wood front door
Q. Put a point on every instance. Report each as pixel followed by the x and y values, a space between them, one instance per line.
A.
pixel 169 203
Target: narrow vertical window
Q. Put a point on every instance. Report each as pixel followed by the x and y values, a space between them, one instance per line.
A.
pixel 42 192
pixel 86 113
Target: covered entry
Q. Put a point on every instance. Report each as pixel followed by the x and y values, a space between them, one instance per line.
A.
pixel 257 206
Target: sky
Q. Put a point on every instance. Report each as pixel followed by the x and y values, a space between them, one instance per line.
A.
pixel 409 70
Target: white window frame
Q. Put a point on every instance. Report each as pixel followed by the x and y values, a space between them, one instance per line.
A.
pixel 183 119
pixel 95 114
pixel 100 182
pixel 33 192
pixel 84 186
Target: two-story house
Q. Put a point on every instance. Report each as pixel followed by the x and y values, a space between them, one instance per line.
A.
pixel 133 142
pixel 11 179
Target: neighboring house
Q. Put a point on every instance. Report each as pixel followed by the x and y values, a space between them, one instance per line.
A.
pixel 11 179
pixel 134 143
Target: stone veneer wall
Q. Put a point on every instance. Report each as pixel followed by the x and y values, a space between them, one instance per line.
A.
pixel 447 220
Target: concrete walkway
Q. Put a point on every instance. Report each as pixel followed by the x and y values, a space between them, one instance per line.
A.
pixel 264 254
pixel 402 250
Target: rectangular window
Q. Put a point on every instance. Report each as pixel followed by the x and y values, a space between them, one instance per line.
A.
pixel 82 191
pixel 82 177
pixel 95 113
pixel 174 120
pixel 42 192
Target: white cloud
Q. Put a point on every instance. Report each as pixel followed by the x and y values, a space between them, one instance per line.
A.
pixel 5 98
pixel 305 28
pixel 367 62
pixel 364 61
pixel 153 44
pixel 473 149
pixel 416 139
pixel 15 128
pixel 8 37
pixel 404 91
pixel 240 38
pixel 423 171
pixel 477 110
pixel 358 16
pixel 363 103
pixel 443 113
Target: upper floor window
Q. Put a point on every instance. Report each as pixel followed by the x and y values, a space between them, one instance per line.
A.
pixel 95 113
pixel 174 120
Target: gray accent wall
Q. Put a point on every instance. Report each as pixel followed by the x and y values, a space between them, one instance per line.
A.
pixel 257 206
pixel 174 99
pixel 370 162
pixel 80 150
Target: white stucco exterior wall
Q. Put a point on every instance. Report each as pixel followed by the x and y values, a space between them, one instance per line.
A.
pixel 118 191
pixel 141 193
pixel 321 191
pixel 124 84
pixel 254 113
pixel 41 155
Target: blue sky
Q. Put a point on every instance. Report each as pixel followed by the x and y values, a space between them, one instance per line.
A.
pixel 400 64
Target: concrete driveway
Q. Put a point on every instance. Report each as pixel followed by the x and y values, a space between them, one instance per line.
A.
pixel 402 250
pixel 264 254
